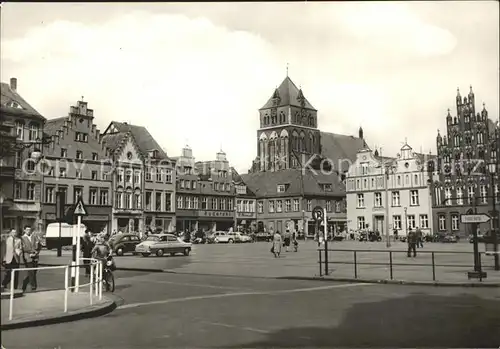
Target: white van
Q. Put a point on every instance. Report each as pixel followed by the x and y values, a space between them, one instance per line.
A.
pixel 66 239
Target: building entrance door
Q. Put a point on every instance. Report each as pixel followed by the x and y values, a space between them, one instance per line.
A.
pixel 280 227
pixel 379 224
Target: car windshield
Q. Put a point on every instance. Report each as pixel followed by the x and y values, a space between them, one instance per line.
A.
pixel 153 238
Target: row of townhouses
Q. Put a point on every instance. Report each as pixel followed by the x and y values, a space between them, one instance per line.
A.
pixel 129 183
pixel 430 191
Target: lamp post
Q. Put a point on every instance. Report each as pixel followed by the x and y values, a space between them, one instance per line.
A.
pixel 492 167
pixel 406 221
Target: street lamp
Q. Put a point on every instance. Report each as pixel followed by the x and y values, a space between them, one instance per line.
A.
pixel 492 167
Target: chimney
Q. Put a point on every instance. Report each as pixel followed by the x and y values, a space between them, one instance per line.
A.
pixel 13 84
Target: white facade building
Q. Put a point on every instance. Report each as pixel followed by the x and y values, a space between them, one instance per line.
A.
pixel 407 192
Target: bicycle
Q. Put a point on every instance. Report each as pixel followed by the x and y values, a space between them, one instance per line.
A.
pixel 108 279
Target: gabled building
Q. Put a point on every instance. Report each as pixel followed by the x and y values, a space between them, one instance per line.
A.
pixel 461 180
pixel 246 204
pixel 406 199
pixel 76 165
pixel 143 179
pixel 298 166
pixel 21 182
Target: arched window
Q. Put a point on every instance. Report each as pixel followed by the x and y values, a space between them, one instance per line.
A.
pixel 302 146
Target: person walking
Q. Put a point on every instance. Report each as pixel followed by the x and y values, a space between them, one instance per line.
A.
pixel 276 249
pixel 287 239
pixel 395 232
pixel 412 243
pixel 12 258
pixel 86 248
pixel 29 257
pixel 420 238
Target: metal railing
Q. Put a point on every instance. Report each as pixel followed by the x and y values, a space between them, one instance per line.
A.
pixel 356 261
pixel 94 265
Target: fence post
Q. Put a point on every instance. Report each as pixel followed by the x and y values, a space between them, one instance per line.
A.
pixel 355 265
pixel 480 267
pixel 66 276
pixel 390 262
pixel 11 300
pixel 433 267
pixel 100 280
pixel 91 280
pixel 96 278
pixel 320 264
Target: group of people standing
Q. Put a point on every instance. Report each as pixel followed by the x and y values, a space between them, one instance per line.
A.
pixel 21 249
pixel 285 241
pixel 415 239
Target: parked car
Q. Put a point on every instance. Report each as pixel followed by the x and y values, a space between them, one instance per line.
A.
pixel 450 238
pixel 241 237
pixel 124 243
pixel 263 236
pixel 161 244
pixel 221 237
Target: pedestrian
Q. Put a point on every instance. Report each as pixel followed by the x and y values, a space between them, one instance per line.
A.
pixel 31 247
pixel 395 232
pixel 412 243
pixel 420 237
pixel 86 248
pixel 276 249
pixel 287 239
pixel 295 242
pixel 12 258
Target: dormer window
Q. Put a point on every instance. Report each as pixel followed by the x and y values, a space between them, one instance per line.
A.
pixel 281 188
pixel 153 154
pixel 327 187
pixel 13 104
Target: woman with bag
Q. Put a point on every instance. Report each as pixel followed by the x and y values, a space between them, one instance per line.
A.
pixel 277 242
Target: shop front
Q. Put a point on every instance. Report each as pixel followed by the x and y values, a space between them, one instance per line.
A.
pixel 165 222
pixel 186 220
pixel 98 219
pixel 216 220
pixel 130 222
pixel 246 221
pixel 18 215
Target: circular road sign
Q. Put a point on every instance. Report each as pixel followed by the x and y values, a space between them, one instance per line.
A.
pixel 317 213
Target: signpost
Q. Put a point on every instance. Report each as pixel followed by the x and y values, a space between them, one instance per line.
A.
pixel 79 211
pixel 319 215
pixel 475 219
pixel 60 203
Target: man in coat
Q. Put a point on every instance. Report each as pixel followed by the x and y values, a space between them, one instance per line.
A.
pixel 412 242
pixel 31 247
pixel 11 258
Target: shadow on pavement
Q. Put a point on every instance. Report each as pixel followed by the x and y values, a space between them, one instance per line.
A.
pixel 416 321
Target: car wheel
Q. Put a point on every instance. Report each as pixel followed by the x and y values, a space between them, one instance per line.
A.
pixel 159 253
pixel 230 241
pixel 186 251
pixel 146 254
pixel 172 254
pixel 119 251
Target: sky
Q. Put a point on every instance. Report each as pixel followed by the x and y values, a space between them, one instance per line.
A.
pixel 197 73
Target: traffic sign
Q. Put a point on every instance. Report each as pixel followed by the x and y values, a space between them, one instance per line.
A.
pixel 474 218
pixel 80 209
pixel 317 213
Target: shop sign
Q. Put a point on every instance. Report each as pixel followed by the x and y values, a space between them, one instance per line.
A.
pixel 217 213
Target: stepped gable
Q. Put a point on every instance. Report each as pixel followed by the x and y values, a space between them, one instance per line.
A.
pixel 145 142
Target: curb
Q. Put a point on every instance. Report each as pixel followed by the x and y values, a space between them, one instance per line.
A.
pixel 17 294
pixel 393 282
pixel 104 309
pixel 146 270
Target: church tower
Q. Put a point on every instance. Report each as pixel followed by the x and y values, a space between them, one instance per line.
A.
pixel 288 126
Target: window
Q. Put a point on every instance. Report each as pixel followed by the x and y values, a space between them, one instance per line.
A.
pixel 79 154
pixel 62 172
pixel 327 187
pixel 128 177
pixel 19 130
pixel 364 168
pixel 77 192
pixel 222 204
pixel 193 184
pixel 215 201
pixel 195 202
pixel 415 182
pixel 271 206
pixel 378 199
pixel 447 196
pixel 437 194
pixel 17 191
pixel 93 196
pixel 442 222
pixel 338 206
pixel 128 200
pixel 94 156
pixel 33 133
pixel 149 198
pixel 148 174
pixel 411 221
pixel 159 175
pixel 260 207
pixel 181 183
pixel 94 175
pixel 189 202
pixel 361 223
pixel 460 194
pixel 329 205
pixel 137 178
pixel 361 200
pixel 49 195
pixel 103 197
pixel 168 175
pixel 480 139
pixel 309 205
pixel 399 180
pixel 230 204
pixel 281 188
pixel 64 153
pixel 424 221
pixel 78 174
pixel 120 176
pixel 414 198
pixel 279 206
pixel 51 172
pixel 204 203
pixel 296 205
pixel 180 203
pixel 471 194
pixel 138 201
pixel 495 194
pixel 31 165
pixel 395 199
pixel 484 194
pixel 454 222
pixel 187 184
pixel 19 159
pixel 396 222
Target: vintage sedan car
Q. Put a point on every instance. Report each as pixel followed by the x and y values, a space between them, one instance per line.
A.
pixel 161 244
pixel 221 237
pixel 124 243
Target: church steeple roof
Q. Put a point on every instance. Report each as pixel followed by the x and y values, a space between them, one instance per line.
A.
pixel 288 95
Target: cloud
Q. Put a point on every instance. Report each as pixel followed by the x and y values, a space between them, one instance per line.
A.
pixel 186 80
